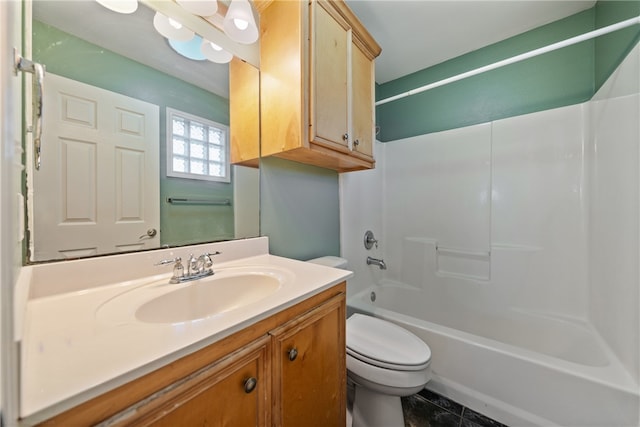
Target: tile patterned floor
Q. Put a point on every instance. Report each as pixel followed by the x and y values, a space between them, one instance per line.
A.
pixel 428 409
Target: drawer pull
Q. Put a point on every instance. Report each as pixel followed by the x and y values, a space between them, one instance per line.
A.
pixel 250 384
pixel 293 353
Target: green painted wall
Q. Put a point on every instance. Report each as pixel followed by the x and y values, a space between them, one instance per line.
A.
pixel 299 209
pixel 68 56
pixel 300 204
pixel 564 77
pixel 612 48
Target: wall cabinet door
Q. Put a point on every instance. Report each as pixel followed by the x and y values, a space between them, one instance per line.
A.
pixel 309 368
pixel 329 79
pixel 244 113
pixel 232 392
pixel 362 90
pixel 310 103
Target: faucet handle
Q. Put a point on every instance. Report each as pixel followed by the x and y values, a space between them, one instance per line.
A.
pixel 370 240
pixel 208 263
pixel 207 260
pixel 176 260
pixel 178 269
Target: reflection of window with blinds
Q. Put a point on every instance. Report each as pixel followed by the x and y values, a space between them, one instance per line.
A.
pixel 197 148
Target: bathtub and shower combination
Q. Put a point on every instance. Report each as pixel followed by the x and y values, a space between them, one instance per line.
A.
pixel 513 251
pixel 519 367
pixel 539 328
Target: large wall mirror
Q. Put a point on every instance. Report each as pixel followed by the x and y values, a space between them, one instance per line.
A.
pixel 115 91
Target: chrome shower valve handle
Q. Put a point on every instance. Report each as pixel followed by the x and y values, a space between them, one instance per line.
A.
pixel 370 240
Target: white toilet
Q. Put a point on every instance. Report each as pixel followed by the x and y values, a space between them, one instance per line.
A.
pixel 385 362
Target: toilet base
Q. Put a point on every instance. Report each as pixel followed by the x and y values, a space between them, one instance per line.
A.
pixel 374 409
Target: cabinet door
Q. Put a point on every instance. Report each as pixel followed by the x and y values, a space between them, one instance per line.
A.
pixel 222 394
pixel 244 113
pixel 362 92
pixel 329 91
pixel 309 371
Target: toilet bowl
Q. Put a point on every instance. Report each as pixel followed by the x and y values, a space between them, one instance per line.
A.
pixel 384 362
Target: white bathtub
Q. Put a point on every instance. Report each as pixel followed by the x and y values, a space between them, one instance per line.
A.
pixel 518 367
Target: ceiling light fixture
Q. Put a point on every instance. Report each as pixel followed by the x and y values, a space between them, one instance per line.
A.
pixel 171 29
pixel 200 7
pixel 215 53
pixel 189 49
pixel 120 6
pixel 239 22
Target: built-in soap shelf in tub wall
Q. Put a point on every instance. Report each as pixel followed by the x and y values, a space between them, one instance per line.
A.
pixel 425 257
pixel 463 263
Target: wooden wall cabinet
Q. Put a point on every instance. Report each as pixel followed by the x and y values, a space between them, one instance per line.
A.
pixel 244 113
pixel 286 370
pixel 317 85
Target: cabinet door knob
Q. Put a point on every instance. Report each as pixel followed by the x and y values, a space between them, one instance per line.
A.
pixel 293 353
pixel 356 142
pixel 345 137
pixel 250 384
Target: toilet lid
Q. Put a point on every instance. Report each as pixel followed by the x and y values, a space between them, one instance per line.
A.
pixel 385 344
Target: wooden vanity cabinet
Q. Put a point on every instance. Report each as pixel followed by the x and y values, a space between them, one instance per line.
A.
pixel 309 369
pixel 317 84
pixel 232 392
pixel 246 379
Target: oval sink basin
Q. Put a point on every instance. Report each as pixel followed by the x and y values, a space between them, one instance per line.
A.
pixel 207 297
pixel 159 302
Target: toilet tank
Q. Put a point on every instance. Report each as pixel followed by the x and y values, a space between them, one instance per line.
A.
pixel 330 261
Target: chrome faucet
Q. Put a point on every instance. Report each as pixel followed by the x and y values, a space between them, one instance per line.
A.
pixel 379 262
pixel 197 268
pixel 199 265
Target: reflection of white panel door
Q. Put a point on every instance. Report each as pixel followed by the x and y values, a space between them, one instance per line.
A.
pixel 97 190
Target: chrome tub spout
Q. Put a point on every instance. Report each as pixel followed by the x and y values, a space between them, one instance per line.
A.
pixel 379 262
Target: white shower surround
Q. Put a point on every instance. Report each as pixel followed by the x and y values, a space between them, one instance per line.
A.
pixel 536 217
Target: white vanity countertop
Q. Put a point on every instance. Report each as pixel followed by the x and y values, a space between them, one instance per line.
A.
pixel 70 355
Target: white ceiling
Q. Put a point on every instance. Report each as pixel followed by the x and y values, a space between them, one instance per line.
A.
pixel 418 34
pixel 413 34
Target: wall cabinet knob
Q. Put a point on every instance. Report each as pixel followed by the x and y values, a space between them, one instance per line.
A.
pixel 293 353
pixel 345 137
pixel 250 384
pixel 356 142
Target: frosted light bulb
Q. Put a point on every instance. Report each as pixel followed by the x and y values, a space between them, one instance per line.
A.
pixel 241 24
pixel 120 6
pixel 171 29
pixel 175 24
pixel 215 53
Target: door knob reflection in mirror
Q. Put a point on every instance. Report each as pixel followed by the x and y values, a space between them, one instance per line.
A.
pixel 150 234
